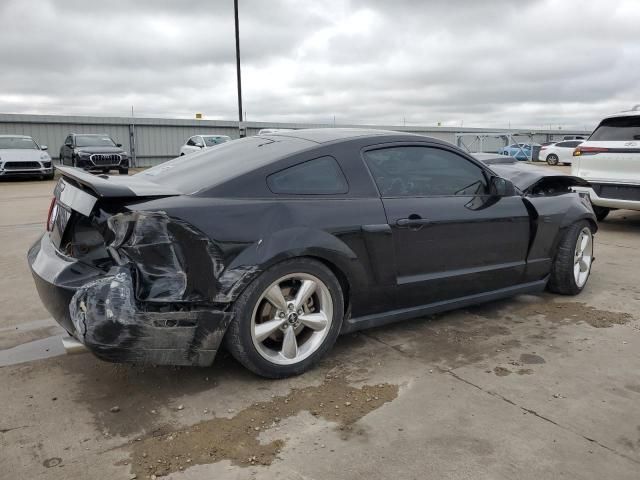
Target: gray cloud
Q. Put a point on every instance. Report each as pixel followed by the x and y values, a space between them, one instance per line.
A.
pixel 530 63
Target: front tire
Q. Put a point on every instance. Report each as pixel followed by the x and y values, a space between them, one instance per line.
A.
pixel 286 319
pixel 572 265
pixel 552 159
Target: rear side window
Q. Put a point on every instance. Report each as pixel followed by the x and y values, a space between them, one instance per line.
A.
pixel 321 176
pixel 617 129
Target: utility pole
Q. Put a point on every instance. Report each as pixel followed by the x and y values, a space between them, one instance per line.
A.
pixel 239 76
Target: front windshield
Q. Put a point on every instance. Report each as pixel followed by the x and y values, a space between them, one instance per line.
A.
pixel 94 141
pixel 210 141
pixel 17 143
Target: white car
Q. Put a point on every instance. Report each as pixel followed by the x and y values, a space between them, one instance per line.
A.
pixel 610 161
pixel 561 152
pixel 21 156
pixel 200 142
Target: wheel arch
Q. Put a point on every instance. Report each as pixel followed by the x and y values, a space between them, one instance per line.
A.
pixel 299 242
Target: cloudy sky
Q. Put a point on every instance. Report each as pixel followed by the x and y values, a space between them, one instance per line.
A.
pixel 492 63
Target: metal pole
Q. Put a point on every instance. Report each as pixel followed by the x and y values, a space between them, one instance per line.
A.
pixel 235 7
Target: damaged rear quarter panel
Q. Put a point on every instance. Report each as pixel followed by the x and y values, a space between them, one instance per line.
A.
pixel 253 234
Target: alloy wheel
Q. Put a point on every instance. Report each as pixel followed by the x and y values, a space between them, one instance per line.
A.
pixel 292 318
pixel 583 257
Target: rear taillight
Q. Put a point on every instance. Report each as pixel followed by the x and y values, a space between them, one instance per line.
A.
pixel 588 151
pixel 543 148
pixel 51 216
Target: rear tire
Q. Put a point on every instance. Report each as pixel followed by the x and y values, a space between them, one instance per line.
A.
pixel 552 159
pixel 572 265
pixel 280 341
pixel 601 212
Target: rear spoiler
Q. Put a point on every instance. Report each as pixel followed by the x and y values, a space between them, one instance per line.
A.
pixel 115 186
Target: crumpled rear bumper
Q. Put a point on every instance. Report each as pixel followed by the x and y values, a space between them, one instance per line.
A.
pixel 101 311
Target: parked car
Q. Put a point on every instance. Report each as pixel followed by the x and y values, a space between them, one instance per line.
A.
pixel 610 161
pixel 276 244
pixel 94 152
pixel 574 137
pixel 20 155
pixel 200 142
pixel 520 151
pixel 561 152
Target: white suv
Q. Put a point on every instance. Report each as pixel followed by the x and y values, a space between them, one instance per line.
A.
pixel 610 161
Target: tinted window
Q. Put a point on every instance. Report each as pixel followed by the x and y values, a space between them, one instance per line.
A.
pixel 424 171
pixel 564 144
pixel 321 176
pixel 191 142
pixel 94 141
pixel 617 129
pixel 211 167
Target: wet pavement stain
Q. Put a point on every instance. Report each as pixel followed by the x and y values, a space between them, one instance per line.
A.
pixel 501 371
pixel 531 359
pixel 237 438
pixel 574 312
pixel 142 393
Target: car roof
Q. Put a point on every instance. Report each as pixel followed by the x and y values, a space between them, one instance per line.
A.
pixel 326 135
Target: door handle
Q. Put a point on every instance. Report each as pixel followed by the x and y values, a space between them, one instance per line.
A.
pixel 413 221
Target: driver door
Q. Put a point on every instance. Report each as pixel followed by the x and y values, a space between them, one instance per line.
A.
pixel 450 237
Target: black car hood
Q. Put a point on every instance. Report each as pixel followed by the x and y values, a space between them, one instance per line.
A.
pixel 100 149
pixel 524 176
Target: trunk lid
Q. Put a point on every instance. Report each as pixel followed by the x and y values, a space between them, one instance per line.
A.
pixel 77 193
pixel 120 186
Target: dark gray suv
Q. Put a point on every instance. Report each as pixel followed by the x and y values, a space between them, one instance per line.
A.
pixel 94 152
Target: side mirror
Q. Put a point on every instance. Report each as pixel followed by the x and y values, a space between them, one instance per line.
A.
pixel 501 187
pixel 200 145
pixel 44 147
pixel 119 145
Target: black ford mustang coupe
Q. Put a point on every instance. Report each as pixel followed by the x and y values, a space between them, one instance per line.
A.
pixel 276 244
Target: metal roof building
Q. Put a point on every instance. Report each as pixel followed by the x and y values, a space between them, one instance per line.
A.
pixel 153 140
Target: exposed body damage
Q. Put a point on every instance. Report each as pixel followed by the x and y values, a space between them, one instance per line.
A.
pixel 115 326
pixel 151 268
pixel 162 295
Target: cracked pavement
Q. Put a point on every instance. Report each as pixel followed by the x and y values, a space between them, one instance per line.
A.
pixel 532 387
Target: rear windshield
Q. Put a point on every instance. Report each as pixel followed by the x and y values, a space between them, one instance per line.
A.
pixel 211 167
pixel 617 129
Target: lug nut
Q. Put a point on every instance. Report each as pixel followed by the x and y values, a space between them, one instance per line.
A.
pixel 281 315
